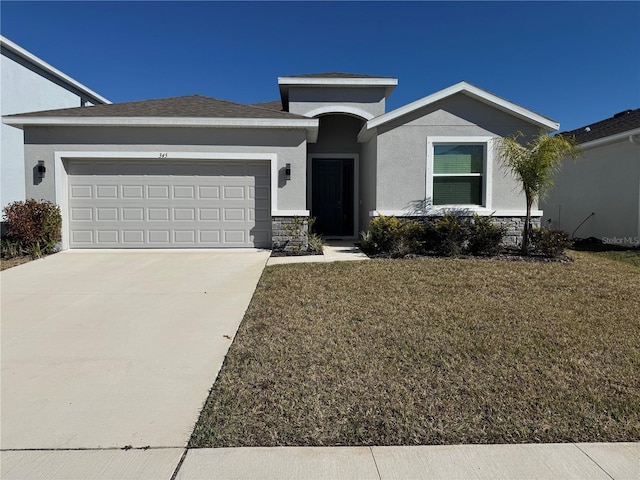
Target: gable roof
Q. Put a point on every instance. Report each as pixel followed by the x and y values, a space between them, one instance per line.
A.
pixel 622 122
pixel 468 90
pixel 187 111
pixel 20 52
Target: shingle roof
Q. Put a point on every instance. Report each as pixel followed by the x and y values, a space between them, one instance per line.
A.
pixel 188 106
pixel 274 105
pixel 337 75
pixel 619 123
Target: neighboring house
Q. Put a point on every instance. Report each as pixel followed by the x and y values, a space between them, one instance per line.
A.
pixel 30 84
pixel 599 195
pixel 199 172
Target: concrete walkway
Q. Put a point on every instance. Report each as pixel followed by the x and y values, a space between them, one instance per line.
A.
pixel 107 358
pixel 334 251
pixel 581 461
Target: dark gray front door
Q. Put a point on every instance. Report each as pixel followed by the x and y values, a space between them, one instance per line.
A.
pixel 332 196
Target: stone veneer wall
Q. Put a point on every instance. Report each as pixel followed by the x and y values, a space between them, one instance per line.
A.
pixel 515 227
pixel 290 234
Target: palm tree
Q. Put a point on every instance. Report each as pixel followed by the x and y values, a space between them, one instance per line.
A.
pixel 534 165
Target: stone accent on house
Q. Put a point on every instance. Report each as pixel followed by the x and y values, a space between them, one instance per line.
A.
pixel 290 234
pixel 515 228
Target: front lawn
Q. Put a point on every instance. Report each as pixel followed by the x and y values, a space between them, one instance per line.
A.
pixel 432 351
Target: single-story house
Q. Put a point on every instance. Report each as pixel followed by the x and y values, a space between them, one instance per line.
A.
pixel 599 195
pixel 29 84
pixel 196 171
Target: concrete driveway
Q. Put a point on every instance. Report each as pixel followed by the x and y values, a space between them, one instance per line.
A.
pixel 110 349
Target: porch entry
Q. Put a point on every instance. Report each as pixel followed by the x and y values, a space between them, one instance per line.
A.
pixel 332 191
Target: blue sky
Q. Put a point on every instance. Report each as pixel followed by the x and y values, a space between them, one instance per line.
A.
pixel 576 62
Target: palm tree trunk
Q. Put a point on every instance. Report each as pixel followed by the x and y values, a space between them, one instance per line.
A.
pixel 526 235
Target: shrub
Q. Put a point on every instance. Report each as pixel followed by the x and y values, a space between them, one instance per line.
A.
pixel 451 235
pixel 316 243
pixel 35 226
pixel 397 237
pixel 383 233
pixel 550 243
pixel 485 236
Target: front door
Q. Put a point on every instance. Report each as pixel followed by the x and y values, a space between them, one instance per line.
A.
pixel 332 196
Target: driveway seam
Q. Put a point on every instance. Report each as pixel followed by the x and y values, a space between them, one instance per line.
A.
pixel 589 457
pixel 175 472
pixel 375 463
pixel 86 449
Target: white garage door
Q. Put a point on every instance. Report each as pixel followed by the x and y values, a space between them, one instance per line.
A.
pixel 169 204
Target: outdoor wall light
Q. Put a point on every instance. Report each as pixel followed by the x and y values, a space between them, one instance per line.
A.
pixel 287 171
pixel 41 169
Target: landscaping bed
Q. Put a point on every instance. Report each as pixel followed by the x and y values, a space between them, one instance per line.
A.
pixel 432 351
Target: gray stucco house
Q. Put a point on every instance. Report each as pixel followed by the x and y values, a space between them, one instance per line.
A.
pixel 29 84
pixel 200 172
pixel 599 195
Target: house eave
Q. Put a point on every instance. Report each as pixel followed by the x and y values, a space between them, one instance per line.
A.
pixel 622 136
pixel 29 57
pixel 311 125
pixel 284 83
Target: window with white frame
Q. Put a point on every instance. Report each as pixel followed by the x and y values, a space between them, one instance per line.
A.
pixel 458 171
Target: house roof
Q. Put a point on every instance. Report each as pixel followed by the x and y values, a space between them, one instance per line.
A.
pixel 188 111
pixel 186 106
pixel 468 90
pixel 15 49
pixel 624 121
pixel 273 105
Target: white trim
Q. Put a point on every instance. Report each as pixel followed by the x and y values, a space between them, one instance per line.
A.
pixel 487 184
pixel 473 92
pixel 311 125
pixel 610 139
pixel 356 184
pixel 340 109
pixel 339 82
pixel 290 213
pixel 436 211
pixel 61 176
pixel 21 52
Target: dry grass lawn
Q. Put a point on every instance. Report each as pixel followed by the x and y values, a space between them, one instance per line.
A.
pixel 433 351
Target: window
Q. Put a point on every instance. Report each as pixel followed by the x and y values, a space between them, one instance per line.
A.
pixel 459 171
pixel 457 174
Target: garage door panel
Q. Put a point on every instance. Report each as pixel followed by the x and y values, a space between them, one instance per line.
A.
pixel 200 204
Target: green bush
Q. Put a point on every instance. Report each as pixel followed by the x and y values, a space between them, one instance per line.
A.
pixel 383 233
pixel 316 243
pixel 34 227
pixel 451 235
pixel 485 236
pixel 550 243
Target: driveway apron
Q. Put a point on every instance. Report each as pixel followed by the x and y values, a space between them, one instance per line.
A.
pixel 117 349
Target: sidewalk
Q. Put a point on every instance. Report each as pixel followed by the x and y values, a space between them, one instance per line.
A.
pixel 334 251
pixel 581 461
pixel 530 461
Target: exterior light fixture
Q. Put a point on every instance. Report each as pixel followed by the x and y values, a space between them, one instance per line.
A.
pixel 287 171
pixel 41 169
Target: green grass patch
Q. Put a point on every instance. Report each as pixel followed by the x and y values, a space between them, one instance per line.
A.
pixel 432 351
